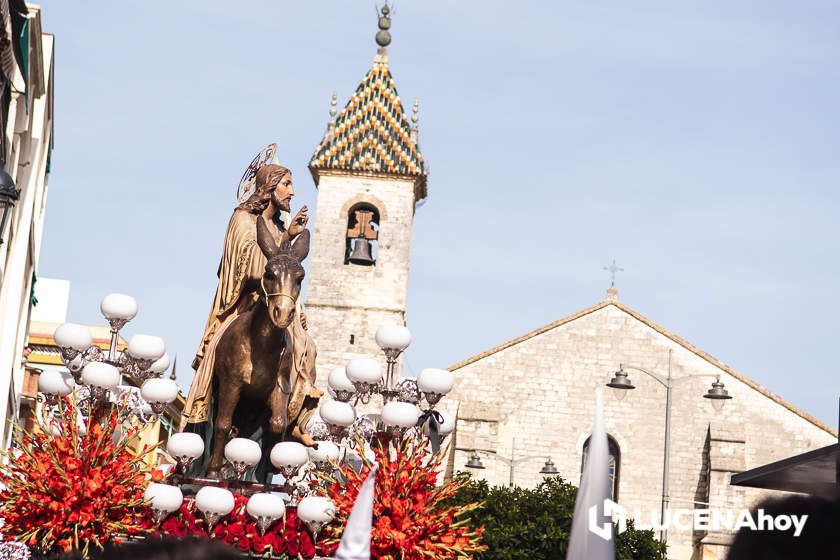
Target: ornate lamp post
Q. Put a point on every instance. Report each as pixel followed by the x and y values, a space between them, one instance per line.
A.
pixel 362 379
pixel 97 374
pixel 716 393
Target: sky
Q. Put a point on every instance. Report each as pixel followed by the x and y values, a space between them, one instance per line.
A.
pixel 695 144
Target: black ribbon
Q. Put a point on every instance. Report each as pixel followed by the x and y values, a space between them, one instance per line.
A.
pixel 435 419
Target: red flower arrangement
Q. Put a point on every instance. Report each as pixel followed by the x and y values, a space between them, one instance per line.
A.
pixel 409 520
pixel 69 488
pixel 285 538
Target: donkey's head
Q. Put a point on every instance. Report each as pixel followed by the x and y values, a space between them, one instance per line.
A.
pixel 283 273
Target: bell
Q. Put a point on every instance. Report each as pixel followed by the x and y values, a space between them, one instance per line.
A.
pixel 361 253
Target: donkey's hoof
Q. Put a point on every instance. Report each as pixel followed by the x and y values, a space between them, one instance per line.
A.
pixel 213 473
pixel 277 425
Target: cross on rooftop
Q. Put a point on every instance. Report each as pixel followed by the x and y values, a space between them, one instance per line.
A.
pixel 612 269
pixel 612 291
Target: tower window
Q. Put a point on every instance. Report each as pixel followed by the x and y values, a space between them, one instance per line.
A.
pixel 614 464
pixel 361 244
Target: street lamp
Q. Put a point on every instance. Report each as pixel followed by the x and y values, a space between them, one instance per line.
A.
pixel 475 462
pixel 548 468
pixel 716 393
pixel 9 195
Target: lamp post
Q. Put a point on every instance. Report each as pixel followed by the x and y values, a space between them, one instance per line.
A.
pixel 717 394
pixel 9 195
pixel 474 462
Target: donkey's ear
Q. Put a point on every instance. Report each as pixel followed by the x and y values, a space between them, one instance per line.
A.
pixel 300 247
pixel 264 238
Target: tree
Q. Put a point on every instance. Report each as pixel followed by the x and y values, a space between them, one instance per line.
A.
pixel 534 524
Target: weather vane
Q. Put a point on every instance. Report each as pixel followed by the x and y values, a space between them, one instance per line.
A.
pixel 612 269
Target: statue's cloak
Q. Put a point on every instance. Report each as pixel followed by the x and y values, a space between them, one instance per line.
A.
pixel 242 266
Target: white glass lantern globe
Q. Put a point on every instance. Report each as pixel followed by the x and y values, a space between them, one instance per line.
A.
pixel 324 451
pixel 185 444
pixel 146 347
pixel 400 414
pixel 337 413
pixel 52 382
pixel 118 307
pixel 316 509
pixel 210 499
pixel 243 450
pixel 159 390
pixel 445 428
pixel 71 335
pixel 364 370
pixel 339 381
pixel 164 497
pixel 160 365
pixel 393 337
pixel 263 504
pixel 433 380
pixel 288 454
pixel 100 374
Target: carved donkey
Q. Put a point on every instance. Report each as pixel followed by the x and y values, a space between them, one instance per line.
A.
pixel 253 363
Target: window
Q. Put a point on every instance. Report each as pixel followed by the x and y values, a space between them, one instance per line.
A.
pixel 361 244
pixel 614 464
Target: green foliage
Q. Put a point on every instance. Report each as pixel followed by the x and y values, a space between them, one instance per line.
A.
pixel 534 524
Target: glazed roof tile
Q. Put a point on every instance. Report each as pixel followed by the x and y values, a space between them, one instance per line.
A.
pixel 372 132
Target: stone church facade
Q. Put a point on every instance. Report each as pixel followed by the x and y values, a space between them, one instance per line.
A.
pixel 537 392
pixel 532 396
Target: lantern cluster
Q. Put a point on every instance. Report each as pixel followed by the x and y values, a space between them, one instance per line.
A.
pixel 362 378
pixel 291 459
pixel 96 375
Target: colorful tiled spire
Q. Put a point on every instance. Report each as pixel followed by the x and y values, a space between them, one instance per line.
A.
pixel 372 133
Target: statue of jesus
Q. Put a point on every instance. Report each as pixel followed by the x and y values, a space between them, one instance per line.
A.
pixel 240 270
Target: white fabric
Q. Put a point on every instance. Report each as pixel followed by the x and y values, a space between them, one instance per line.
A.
pixel 355 542
pixel 594 490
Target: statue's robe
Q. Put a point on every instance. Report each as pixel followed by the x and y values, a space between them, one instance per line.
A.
pixel 240 270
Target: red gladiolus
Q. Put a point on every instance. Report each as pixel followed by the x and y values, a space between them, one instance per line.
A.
pixel 409 521
pixel 70 488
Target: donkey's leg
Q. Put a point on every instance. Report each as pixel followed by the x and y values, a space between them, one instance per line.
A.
pixel 228 399
pixel 279 403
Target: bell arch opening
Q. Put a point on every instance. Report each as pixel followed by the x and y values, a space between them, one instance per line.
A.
pixel 361 245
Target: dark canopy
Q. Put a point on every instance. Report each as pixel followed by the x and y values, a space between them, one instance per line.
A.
pixel 816 472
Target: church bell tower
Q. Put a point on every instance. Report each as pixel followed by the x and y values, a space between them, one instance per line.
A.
pixel 370 175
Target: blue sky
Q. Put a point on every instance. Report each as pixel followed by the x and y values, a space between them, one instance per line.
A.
pixel 697 145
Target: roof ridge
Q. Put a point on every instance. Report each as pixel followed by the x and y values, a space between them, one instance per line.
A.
pixel 661 330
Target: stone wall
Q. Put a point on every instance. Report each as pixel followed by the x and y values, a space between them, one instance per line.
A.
pixel 345 300
pixel 540 393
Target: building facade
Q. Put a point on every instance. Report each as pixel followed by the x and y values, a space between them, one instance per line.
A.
pixel 26 110
pixel 534 397
pixel 370 175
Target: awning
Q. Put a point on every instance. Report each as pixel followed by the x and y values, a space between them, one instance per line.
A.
pixel 815 472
